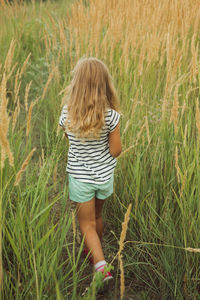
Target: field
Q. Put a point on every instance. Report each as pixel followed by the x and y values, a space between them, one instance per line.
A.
pixel 151 48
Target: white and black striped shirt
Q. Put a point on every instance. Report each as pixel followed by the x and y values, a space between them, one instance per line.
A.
pixel 90 160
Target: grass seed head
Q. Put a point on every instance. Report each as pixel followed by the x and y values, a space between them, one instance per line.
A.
pixel 23 167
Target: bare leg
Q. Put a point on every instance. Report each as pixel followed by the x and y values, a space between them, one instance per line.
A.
pixel 87 222
pixel 99 220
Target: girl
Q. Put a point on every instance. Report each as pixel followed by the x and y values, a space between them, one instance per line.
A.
pixel 91 122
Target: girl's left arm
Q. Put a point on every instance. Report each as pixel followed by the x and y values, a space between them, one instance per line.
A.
pixel 115 144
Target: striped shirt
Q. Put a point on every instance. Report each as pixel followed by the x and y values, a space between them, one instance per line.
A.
pixel 90 160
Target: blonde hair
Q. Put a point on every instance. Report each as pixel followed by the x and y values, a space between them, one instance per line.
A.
pixel 90 93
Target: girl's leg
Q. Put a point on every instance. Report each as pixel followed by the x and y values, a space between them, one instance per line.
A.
pixel 99 220
pixel 87 222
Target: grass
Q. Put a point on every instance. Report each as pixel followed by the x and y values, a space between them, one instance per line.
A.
pixel 153 57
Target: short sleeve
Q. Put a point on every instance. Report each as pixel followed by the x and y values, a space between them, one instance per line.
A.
pixel 63 116
pixel 114 119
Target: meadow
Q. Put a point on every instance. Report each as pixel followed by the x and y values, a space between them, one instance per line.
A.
pixel 152 234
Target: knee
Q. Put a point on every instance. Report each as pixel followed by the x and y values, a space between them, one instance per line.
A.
pixel 87 226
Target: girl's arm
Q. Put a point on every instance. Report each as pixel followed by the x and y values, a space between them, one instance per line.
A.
pixel 115 144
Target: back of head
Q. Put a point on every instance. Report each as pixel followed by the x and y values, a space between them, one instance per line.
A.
pixel 91 92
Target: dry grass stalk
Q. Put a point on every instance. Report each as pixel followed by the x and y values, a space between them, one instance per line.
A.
pixel 151 30
pixel 6 148
pixel 194 62
pixel 4 124
pixel 3 157
pixel 24 66
pixel 147 129
pixel 28 124
pixel 27 89
pixel 174 111
pixel 126 127
pixel 3 108
pixel 194 250
pixel 43 159
pixel 47 84
pixel 135 102
pixel 11 71
pixel 15 115
pixel 121 247
pixel 176 164
pixel 185 136
pixel 9 57
pixel 183 183
pixel 17 86
pixel 23 167
pixel 183 109
pixel 122 281
pixel 127 150
pixel 198 116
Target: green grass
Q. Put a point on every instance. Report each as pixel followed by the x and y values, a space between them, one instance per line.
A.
pixel 41 258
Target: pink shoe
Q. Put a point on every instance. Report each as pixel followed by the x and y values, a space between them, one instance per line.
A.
pixel 106 280
pixel 107 277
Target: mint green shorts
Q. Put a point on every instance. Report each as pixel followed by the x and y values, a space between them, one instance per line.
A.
pixel 82 191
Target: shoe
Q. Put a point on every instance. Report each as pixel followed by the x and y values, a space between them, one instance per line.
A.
pixel 101 285
pixel 107 277
pixel 106 280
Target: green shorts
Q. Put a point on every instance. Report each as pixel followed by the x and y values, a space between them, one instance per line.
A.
pixel 82 191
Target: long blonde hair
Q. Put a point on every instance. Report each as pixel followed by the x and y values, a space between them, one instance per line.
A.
pixel 90 93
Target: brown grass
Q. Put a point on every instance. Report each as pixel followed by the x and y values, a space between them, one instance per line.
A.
pixel 28 125
pixel 146 26
pixel 23 167
pixel 24 66
pixel 17 86
pixel 121 247
pixel 176 164
pixel 9 57
pixel 47 83
pixel 27 89
pixel 5 148
pixel 4 124
pixel 147 129
pixel 174 111
pixel 194 250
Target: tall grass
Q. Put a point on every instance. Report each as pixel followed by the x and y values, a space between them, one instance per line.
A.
pixel 152 50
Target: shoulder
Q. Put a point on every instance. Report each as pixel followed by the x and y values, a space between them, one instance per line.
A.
pixel 111 113
pixel 112 118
